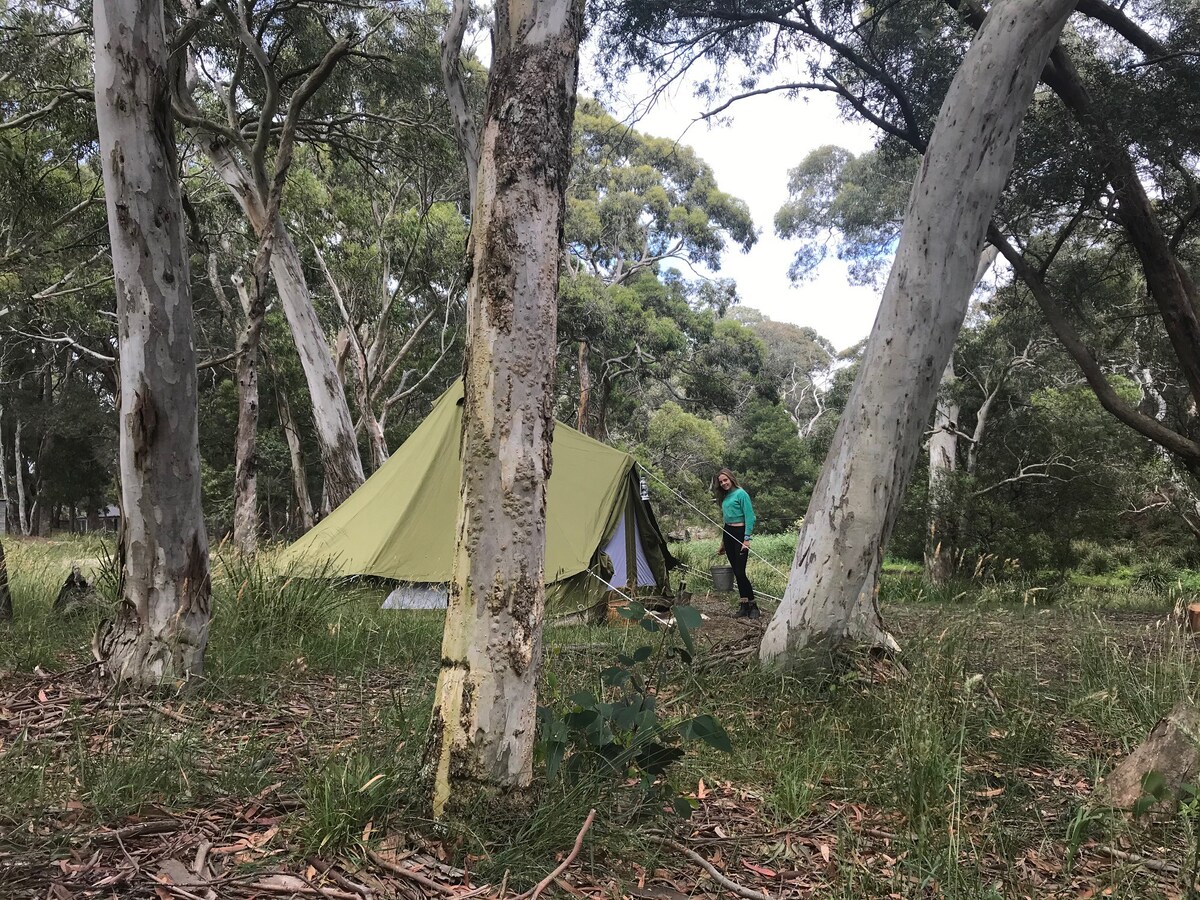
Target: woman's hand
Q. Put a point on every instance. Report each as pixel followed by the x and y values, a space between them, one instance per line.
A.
pixel 720 550
pixel 745 546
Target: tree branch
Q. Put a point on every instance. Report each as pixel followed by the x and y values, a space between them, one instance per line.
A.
pixel 1122 25
pixel 1187 451
pixel 466 132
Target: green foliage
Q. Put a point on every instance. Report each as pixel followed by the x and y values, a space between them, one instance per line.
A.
pixel 773 464
pixel 1000 710
pixel 344 795
pixel 860 199
pixel 1093 558
pixel 682 451
pixel 1154 574
pixel 635 200
pixel 618 730
pixel 264 605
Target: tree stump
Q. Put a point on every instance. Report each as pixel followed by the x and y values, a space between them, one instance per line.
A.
pixel 1193 617
pixel 75 594
pixel 1172 749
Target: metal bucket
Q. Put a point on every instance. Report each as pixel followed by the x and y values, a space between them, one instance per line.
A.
pixel 722 578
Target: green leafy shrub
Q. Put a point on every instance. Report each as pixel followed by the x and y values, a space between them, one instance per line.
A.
pixel 618 730
pixel 1093 559
pixel 1154 574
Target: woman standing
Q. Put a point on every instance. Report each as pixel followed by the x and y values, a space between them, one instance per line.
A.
pixel 738 515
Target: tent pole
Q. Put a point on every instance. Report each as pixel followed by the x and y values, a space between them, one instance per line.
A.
pixel 631 575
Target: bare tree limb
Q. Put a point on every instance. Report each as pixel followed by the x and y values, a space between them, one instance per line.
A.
pixel 465 130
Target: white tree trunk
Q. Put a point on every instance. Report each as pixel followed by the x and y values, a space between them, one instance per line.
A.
pixel 299 474
pixel 161 627
pixel 245 479
pixel 831 597
pixel 485 705
pixel 585 387
pixel 5 497
pixel 19 461
pixel 943 461
pixel 340 460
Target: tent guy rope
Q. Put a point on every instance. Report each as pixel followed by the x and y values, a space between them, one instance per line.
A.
pixel 712 521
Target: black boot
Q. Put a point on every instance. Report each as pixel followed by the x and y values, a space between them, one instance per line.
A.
pixel 752 611
pixel 743 611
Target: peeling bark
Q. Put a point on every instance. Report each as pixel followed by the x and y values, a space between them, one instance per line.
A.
pixel 831 597
pixel 485 704
pixel 161 628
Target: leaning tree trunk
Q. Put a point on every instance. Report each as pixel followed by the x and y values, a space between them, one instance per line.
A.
pixel 6 607
pixel 831 601
pixel 161 627
pixel 334 427
pixel 245 478
pixel 340 461
pixel 485 704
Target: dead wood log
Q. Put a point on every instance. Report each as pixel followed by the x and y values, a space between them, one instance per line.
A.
pixel 1172 749
pixel 76 593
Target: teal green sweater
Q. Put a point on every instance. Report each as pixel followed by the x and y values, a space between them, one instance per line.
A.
pixel 736 508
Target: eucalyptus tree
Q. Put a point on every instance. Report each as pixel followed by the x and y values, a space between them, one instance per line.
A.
pixel 486 697
pixel 801 363
pixel 891 67
pixel 388 241
pixel 252 88
pixel 635 204
pixel 58 346
pixel 161 628
pixel 261 80
pixel 830 598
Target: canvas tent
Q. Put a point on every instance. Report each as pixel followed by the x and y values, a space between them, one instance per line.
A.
pixel 600 534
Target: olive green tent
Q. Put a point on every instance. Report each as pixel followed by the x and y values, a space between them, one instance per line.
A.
pixel 600 533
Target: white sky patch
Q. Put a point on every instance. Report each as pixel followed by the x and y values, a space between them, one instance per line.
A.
pixel 759 140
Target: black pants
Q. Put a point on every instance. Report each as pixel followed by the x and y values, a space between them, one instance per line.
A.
pixel 731 538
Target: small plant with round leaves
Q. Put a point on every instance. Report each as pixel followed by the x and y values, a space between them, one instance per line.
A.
pixel 618 729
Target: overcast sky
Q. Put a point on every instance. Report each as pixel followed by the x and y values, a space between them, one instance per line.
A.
pixel 766 136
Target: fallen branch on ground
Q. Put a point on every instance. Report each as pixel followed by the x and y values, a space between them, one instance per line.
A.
pixel 409 874
pixel 723 880
pixel 1154 865
pixel 562 867
pixel 157 826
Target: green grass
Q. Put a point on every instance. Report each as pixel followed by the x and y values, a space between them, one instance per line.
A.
pixel 1013 698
